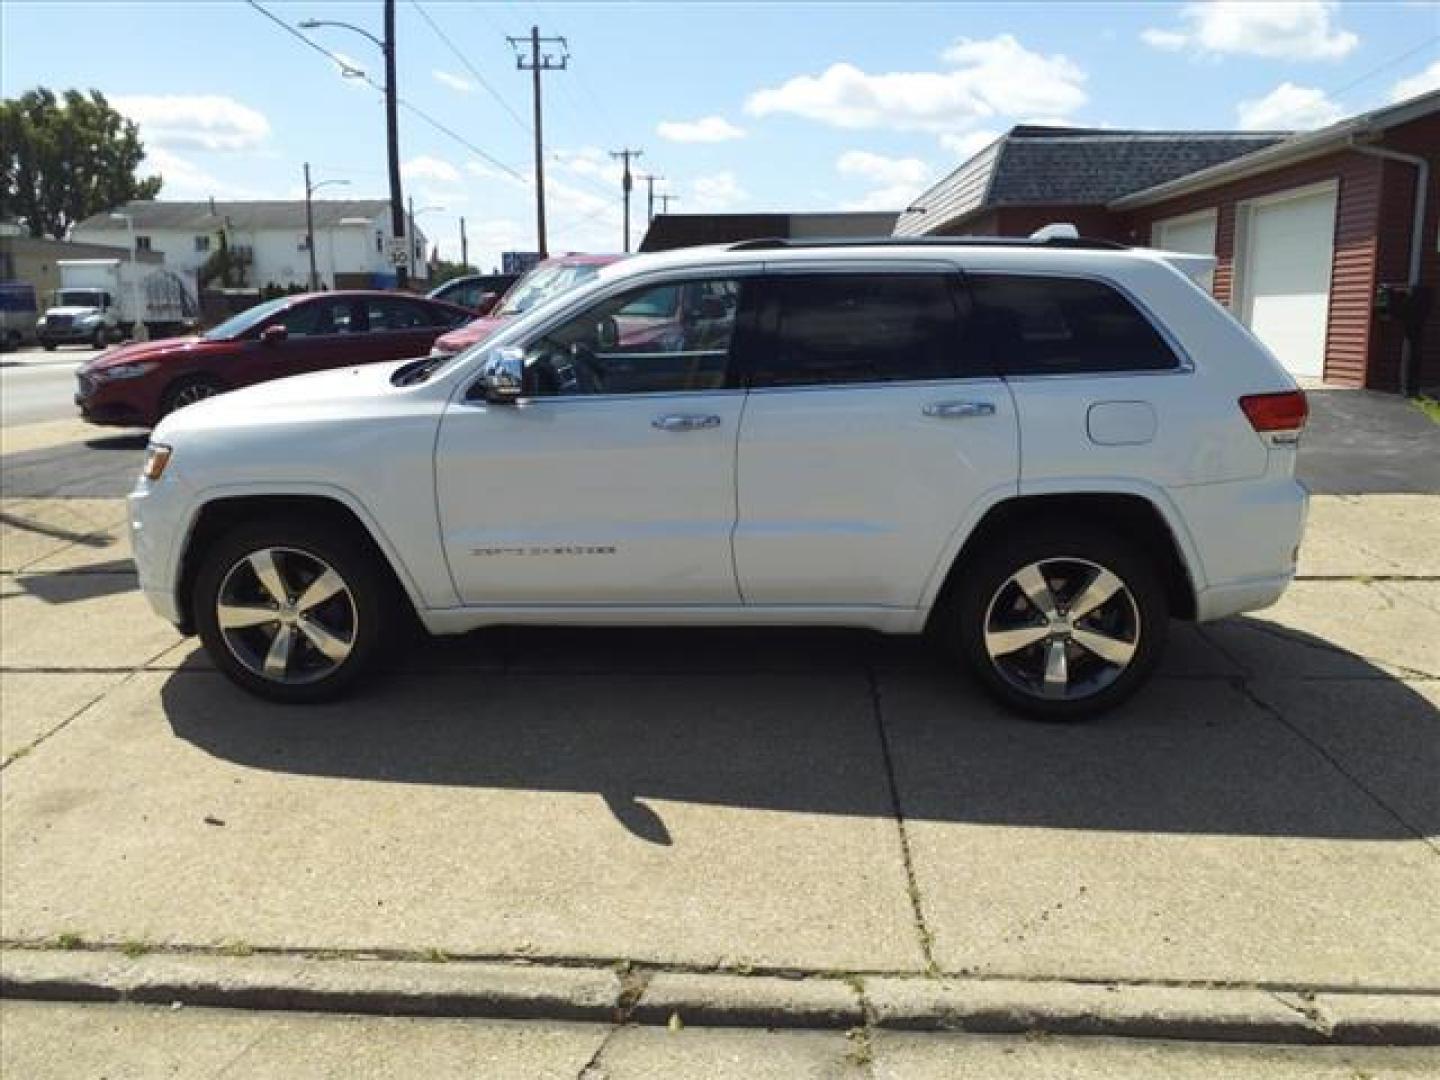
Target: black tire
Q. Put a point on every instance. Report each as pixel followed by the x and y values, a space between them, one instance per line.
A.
pixel 368 584
pixel 49 346
pixel 101 339
pixel 187 391
pixel 1066 550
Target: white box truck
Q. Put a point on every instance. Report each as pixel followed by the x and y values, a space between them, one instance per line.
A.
pixel 103 300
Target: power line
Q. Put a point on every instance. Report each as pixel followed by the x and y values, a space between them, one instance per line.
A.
pixel 418 112
pixel 471 67
pixel 1382 66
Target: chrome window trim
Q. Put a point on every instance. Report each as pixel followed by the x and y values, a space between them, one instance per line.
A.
pixel 1185 363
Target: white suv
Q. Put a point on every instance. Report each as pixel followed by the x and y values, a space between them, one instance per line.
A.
pixel 1039 451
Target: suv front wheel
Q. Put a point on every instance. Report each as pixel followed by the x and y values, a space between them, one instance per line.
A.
pixel 1060 623
pixel 294 611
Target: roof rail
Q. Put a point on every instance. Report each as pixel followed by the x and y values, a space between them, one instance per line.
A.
pixel 1081 242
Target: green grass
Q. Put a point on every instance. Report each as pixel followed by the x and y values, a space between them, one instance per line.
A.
pixel 70 940
pixel 1430 407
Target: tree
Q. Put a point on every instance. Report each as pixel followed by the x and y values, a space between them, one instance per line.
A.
pixel 61 161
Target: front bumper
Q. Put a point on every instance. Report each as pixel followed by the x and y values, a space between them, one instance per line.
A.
pixel 109 404
pixel 159 519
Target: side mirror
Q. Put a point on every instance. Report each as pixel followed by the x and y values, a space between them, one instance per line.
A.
pixel 274 335
pixel 503 376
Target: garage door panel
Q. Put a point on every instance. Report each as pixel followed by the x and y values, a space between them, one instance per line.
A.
pixel 1290 248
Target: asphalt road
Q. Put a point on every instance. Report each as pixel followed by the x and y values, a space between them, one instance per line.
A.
pixel 33 389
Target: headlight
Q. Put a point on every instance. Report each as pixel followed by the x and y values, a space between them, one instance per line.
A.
pixel 121 371
pixel 157 456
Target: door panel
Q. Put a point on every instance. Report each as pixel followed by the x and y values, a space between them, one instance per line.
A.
pixel 848 495
pixel 575 500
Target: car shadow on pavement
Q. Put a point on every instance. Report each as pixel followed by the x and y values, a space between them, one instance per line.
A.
pixel 75 470
pixel 72 586
pixel 851 724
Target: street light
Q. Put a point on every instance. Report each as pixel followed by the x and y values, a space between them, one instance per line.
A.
pixel 137 329
pixel 413 214
pixel 386 44
pixel 310 190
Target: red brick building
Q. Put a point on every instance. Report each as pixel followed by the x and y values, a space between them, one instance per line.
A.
pixel 1322 239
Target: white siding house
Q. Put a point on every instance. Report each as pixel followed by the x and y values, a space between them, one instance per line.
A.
pixel 352 238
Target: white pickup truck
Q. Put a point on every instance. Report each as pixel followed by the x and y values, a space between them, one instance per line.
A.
pixel 101 301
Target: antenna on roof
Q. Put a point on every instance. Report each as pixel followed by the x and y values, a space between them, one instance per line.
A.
pixel 1056 230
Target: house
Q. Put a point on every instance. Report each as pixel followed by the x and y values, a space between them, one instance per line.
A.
pixel 1327 242
pixel 669 231
pixel 266 239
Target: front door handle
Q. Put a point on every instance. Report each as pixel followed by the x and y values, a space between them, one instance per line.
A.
pixel 955 410
pixel 685 421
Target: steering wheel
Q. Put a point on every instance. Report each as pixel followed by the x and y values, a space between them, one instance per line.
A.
pixel 580 372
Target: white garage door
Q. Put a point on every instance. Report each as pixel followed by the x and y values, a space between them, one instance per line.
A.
pixel 1193 234
pixel 1289 244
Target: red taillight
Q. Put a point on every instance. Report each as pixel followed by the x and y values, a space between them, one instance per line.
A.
pixel 1287 411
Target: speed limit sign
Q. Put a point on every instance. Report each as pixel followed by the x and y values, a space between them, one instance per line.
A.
pixel 399 251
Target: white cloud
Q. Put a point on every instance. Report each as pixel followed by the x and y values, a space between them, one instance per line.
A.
pixel 715 192
pixel 996 76
pixel 1422 82
pixel 1293 30
pixel 196 122
pixel 454 82
pixel 708 129
pixel 183 179
pixel 882 170
pixel 425 167
pixel 1288 106
pixel 351 70
pixel 590 161
pixel 967 145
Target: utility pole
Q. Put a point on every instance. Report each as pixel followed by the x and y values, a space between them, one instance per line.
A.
pixel 538 63
pixel 392 138
pixel 626 183
pixel 410 247
pixel 665 201
pixel 650 179
pixel 310 190
pixel 464 248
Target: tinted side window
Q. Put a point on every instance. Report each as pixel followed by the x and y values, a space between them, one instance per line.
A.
pixel 858 328
pixel 1053 325
pixel 319 318
pixel 388 314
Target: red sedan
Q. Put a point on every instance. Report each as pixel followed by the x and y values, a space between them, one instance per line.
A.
pixel 135 385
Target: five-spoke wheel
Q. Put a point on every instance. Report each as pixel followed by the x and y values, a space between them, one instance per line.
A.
pixel 293 610
pixel 1060 623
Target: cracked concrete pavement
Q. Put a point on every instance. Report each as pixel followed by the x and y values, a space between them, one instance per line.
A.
pixel 1266 814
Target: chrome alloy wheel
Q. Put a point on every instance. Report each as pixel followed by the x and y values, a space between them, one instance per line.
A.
pixel 1062 629
pixel 286 615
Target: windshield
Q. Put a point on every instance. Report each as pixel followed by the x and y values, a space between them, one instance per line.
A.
pixel 80 298
pixel 236 325
pixel 541 284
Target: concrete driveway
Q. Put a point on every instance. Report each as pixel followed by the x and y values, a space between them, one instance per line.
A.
pixel 1266 813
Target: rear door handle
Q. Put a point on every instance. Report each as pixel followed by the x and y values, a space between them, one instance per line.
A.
pixel 956 410
pixel 685 421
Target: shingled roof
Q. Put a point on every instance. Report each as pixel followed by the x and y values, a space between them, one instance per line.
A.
pixel 242 216
pixel 1050 166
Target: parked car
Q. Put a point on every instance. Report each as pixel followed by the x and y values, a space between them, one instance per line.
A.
pixel 17 314
pixel 551 278
pixel 135 385
pixel 1038 451
pixel 478 292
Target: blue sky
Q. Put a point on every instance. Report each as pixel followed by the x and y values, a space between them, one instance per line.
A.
pixel 777 106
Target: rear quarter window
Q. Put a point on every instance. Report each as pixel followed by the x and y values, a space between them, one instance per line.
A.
pixel 1037 325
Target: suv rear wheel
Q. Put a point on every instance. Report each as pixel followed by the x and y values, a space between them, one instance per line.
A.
pixel 292 610
pixel 1061 623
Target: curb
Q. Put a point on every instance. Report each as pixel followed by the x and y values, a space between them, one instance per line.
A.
pixel 524 991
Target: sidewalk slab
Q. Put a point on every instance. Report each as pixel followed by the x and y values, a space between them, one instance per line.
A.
pixel 32 530
pixel 69 621
pixel 704 820
pixel 35 703
pixel 1188 836
pixel 1336 629
pixel 1371 535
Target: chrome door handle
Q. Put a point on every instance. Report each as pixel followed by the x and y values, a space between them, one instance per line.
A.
pixel 685 421
pixel 954 410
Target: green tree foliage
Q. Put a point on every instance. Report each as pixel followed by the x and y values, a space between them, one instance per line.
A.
pixel 62 160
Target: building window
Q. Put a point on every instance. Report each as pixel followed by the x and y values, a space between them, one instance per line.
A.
pixel 379 242
pixel 202 244
pixel 142 243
